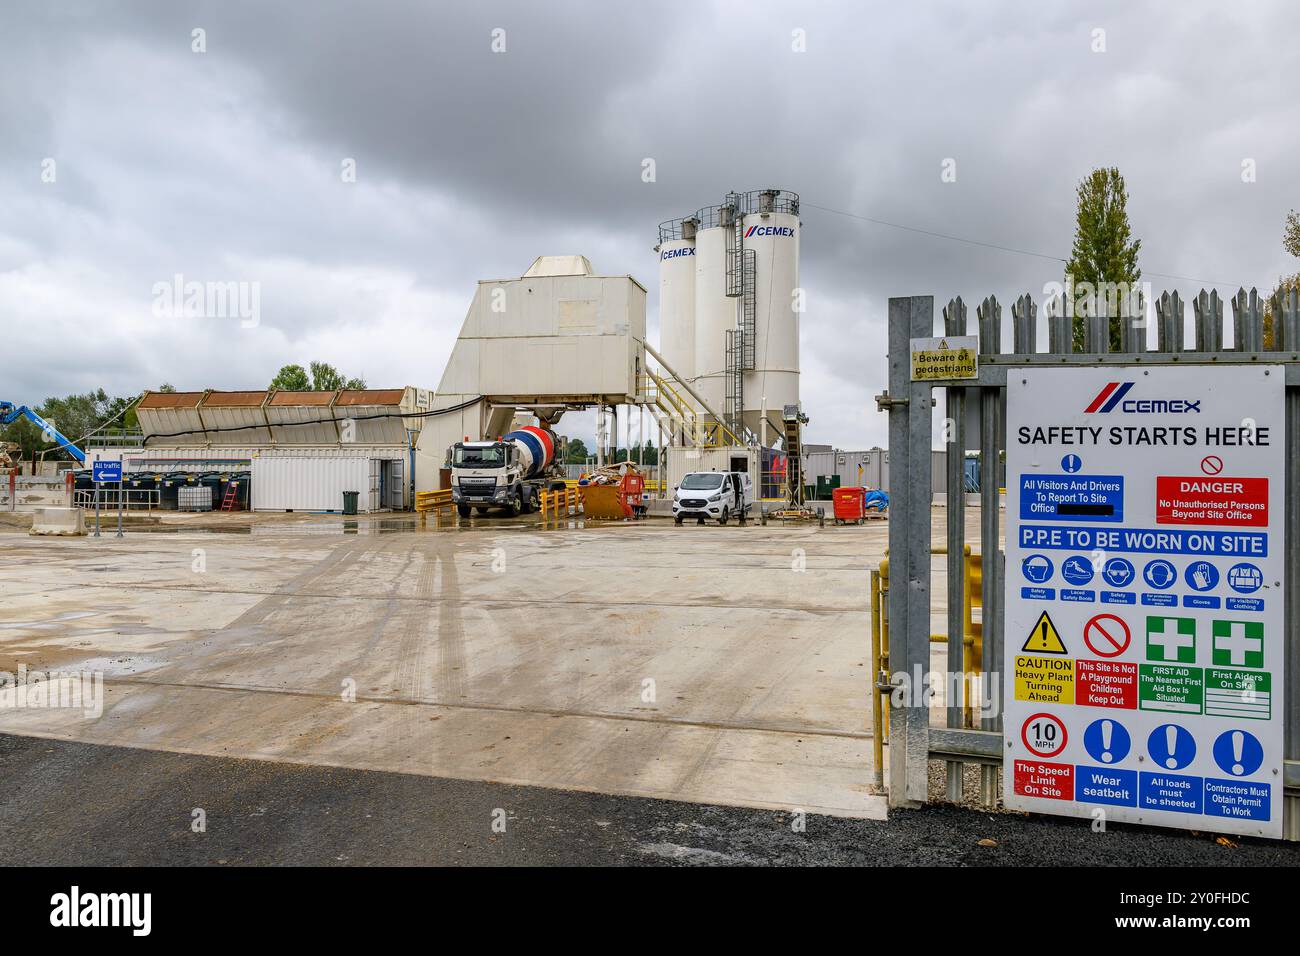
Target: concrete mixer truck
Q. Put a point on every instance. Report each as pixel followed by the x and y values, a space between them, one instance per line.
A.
pixel 510 473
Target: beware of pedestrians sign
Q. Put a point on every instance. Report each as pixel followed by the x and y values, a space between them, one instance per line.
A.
pixel 1143 612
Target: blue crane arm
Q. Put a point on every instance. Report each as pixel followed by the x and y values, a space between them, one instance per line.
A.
pixel 10 413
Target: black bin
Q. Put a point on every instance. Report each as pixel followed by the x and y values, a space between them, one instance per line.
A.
pixel 350 502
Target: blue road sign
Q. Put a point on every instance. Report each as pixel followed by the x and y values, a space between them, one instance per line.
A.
pixel 106 471
pixel 1202 576
pixel 1118 572
pixel 1171 746
pixel 1245 578
pixel 1107 741
pixel 1159 574
pixel 1238 752
pixel 1077 570
pixel 1071 464
pixel 1037 568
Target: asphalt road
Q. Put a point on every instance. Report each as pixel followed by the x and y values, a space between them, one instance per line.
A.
pixel 67 803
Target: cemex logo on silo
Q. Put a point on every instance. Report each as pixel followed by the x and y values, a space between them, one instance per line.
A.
pixel 1112 396
pixel 769 231
pixel 674 253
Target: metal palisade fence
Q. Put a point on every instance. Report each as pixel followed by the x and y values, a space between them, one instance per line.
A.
pixel 1266 333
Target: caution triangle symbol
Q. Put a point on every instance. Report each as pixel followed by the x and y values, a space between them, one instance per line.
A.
pixel 1044 637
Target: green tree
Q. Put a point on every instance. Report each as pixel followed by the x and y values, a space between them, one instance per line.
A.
pixel 575 451
pixel 167 388
pixel 291 378
pixel 1104 258
pixel 326 378
pixel 1291 233
pixel 323 378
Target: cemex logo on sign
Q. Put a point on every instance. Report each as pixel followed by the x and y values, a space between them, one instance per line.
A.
pixel 1112 397
pixel 675 253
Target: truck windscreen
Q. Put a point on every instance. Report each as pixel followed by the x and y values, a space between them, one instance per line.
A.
pixel 491 456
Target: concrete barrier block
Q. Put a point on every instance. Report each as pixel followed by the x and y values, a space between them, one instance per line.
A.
pixel 58 521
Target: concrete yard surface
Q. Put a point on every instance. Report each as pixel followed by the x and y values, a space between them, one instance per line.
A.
pixel 715 665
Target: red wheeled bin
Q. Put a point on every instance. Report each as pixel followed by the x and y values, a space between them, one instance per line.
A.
pixel 849 504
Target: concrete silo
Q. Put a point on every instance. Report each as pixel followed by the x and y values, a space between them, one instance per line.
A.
pixel 771 340
pixel 677 295
pixel 745 343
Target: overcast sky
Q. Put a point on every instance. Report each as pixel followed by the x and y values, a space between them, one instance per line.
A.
pixel 127 158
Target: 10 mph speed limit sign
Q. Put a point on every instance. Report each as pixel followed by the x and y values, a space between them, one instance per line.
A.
pixel 1145 550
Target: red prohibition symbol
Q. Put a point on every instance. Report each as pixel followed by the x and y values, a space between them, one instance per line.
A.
pixel 1211 464
pixel 1107 635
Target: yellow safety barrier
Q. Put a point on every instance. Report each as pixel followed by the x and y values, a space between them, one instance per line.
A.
pixel 561 504
pixel 972 646
pixel 435 501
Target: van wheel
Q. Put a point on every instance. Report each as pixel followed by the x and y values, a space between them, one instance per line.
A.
pixel 677 519
pixel 462 510
pixel 722 518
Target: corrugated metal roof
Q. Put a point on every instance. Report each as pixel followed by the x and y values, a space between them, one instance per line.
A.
pixel 371 396
pixel 234 399
pixel 302 398
pixel 170 400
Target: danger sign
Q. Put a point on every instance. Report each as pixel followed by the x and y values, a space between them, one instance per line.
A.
pixel 1107 635
pixel 1235 502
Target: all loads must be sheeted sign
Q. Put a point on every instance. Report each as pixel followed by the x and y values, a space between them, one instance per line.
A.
pixel 1144 609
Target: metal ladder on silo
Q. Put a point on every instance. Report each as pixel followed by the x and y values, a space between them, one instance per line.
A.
pixel 741 279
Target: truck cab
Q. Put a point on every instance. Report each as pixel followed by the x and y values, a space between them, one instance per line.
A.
pixel 717 495
pixel 488 474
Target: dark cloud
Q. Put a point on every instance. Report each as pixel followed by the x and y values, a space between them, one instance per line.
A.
pixel 225 165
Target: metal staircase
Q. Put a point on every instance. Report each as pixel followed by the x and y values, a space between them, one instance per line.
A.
pixel 792 421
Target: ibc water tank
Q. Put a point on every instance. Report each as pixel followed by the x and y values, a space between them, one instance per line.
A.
pixel 774 382
pixel 677 305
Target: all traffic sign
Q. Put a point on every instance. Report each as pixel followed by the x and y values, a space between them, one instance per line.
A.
pixel 1107 635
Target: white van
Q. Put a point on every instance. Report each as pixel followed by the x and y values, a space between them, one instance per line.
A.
pixel 720 495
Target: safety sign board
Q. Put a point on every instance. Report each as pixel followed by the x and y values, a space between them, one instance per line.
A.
pixel 1143 608
pixel 956 356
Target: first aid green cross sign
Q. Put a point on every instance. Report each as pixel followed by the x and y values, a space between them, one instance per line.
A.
pixel 1171 640
pixel 1239 643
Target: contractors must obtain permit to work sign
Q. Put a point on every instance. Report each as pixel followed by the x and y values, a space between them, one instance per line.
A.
pixel 1144 611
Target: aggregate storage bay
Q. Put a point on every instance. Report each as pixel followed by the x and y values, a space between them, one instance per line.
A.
pixel 1144 607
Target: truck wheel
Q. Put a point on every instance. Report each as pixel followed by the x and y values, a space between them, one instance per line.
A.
pixel 722 518
pixel 517 503
pixel 462 510
pixel 481 509
pixel 534 501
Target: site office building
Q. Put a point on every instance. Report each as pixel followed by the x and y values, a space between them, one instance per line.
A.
pixel 302 449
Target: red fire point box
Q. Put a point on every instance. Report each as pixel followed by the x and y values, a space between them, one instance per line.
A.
pixel 1105 684
pixel 1051 781
pixel 1215 500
